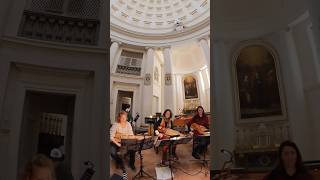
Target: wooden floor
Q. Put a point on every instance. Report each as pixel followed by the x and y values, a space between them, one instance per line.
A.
pixel 185 163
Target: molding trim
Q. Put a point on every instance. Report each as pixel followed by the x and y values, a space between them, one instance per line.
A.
pixel 52 70
pixel 53 45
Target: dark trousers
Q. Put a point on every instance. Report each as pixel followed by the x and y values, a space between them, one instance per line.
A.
pixel 114 151
pixel 200 144
pixel 166 151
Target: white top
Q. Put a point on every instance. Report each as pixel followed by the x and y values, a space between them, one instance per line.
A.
pixel 116 128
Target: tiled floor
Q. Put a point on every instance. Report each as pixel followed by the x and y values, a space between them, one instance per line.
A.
pixel 185 163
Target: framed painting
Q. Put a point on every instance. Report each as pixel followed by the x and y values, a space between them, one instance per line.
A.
pixel 190 87
pixel 258 92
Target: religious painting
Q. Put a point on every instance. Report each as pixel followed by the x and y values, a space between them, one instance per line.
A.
pixel 258 85
pixel 190 87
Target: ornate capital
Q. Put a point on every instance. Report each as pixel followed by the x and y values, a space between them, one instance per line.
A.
pixel 206 38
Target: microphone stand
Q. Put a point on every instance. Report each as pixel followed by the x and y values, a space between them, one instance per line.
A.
pixel 170 154
pixel 141 172
pixel 226 162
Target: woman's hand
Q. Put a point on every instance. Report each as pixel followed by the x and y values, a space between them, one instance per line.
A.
pixel 191 133
pixel 118 144
pixel 160 135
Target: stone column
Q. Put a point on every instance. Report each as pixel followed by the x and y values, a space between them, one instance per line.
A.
pixel 201 90
pixel 113 51
pixel 223 110
pixel 169 93
pixel 302 38
pixel 147 97
pixel 206 50
pixel 313 8
pixel 292 73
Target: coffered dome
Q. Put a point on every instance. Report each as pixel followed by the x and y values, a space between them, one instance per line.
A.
pixel 159 19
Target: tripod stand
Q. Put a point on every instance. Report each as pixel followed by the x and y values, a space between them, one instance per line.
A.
pixel 141 172
pixel 170 154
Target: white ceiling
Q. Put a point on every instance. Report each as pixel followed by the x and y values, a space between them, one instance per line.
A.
pixel 187 58
pixel 157 16
pixel 245 18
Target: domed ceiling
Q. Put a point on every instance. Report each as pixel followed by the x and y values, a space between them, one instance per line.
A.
pixel 187 58
pixel 159 19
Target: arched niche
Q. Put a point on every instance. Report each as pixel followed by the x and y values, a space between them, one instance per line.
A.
pixel 257 83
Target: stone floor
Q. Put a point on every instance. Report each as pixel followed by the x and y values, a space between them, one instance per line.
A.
pixel 185 163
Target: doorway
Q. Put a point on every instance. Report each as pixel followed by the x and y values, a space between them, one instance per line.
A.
pixel 47 123
pixel 124 98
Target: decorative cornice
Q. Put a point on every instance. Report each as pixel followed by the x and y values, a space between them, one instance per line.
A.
pixel 158 40
pixel 53 45
pixel 52 70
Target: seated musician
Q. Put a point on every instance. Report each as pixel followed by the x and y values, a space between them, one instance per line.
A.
pixel 199 119
pixel 121 127
pixel 290 164
pixel 160 127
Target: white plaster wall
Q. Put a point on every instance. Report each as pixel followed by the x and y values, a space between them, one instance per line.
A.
pixel 313 99
pixel 298 70
pixel 126 84
pixel 90 114
pixel 4 10
pixel 309 65
pixel 223 126
pixel 292 82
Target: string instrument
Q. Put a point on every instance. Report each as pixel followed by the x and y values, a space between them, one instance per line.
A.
pixel 171 132
pixel 199 128
pixel 167 131
pixel 118 137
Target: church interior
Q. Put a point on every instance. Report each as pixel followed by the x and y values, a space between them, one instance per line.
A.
pixel 162 89
pixel 160 59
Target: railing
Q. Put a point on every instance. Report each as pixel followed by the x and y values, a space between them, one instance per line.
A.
pixel 50 27
pixel 128 70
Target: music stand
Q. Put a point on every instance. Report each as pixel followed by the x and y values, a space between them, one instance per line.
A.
pixel 173 140
pixel 150 121
pixel 204 161
pixel 142 145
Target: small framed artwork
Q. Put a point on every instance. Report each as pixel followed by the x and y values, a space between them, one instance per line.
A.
pixel 147 79
pixel 168 79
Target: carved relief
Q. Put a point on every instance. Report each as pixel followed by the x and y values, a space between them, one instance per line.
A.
pixel 147 79
pixel 168 79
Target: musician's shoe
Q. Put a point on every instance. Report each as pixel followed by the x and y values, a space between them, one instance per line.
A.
pixel 196 155
pixel 163 163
